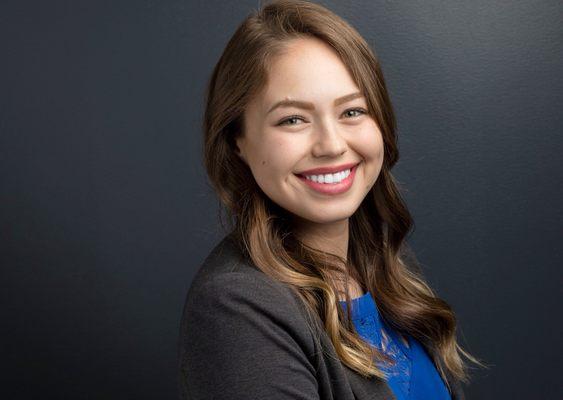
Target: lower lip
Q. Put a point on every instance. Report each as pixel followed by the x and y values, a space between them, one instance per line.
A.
pixel 331 188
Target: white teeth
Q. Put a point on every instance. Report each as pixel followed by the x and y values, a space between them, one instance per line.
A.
pixel 329 178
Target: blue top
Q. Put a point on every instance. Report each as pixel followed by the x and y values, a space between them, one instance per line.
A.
pixel 414 376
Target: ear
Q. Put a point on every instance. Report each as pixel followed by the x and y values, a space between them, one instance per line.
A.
pixel 238 145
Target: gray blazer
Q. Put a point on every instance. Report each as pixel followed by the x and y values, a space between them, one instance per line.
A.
pixel 244 335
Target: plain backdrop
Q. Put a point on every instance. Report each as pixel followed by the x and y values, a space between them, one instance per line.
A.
pixel 106 212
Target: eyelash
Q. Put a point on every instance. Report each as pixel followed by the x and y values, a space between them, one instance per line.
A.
pixel 283 122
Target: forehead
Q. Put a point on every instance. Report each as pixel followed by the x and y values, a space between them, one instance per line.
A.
pixel 308 70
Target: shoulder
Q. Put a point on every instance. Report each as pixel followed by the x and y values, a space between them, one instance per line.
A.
pixel 227 276
pixel 228 287
pixel 226 260
pixel 239 323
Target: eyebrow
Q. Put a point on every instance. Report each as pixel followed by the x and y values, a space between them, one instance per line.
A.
pixel 310 106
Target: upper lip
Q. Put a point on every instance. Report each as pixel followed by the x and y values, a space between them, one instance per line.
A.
pixel 327 170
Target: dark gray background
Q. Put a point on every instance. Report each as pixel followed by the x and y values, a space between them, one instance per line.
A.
pixel 106 214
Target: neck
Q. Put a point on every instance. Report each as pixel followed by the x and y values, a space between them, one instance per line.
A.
pixel 331 238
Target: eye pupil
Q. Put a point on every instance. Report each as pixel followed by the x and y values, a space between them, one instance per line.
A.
pixel 288 121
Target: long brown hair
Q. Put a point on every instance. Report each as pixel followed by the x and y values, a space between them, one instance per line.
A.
pixel 376 251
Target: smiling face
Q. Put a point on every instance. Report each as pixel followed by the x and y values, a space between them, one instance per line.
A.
pixel 334 129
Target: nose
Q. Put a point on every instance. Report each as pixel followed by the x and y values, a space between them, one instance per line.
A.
pixel 328 141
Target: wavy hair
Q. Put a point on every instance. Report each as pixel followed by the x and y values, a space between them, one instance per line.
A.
pixel 377 250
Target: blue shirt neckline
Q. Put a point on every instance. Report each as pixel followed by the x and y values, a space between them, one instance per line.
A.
pixel 414 376
pixel 362 306
pixel 365 307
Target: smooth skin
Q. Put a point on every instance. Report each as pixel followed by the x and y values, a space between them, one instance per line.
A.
pixel 289 139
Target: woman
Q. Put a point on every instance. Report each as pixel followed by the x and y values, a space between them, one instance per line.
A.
pixel 312 294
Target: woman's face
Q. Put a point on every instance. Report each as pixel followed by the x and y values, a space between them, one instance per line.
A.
pixel 281 142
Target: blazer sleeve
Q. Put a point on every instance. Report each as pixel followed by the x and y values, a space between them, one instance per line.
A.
pixel 242 338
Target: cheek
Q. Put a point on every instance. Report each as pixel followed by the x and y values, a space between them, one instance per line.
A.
pixel 276 157
pixel 370 142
